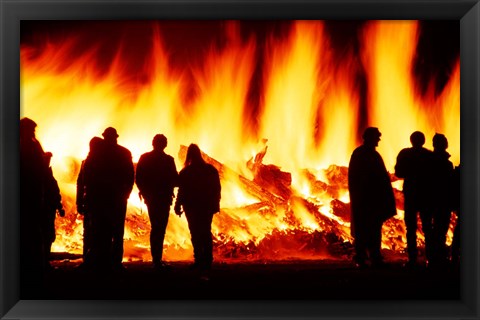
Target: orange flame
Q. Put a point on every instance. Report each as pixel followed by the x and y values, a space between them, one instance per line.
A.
pixel 308 116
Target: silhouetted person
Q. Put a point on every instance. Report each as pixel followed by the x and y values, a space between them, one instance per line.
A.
pixel 198 194
pixel 82 199
pixel 32 187
pixel 455 256
pixel 412 165
pixel 371 199
pixel 109 178
pixel 441 198
pixel 156 177
pixel 51 205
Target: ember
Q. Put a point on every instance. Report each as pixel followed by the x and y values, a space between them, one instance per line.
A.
pixel 282 160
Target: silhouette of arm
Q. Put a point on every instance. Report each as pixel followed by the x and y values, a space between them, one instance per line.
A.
pixel 174 172
pixel 140 174
pixel 80 197
pixel 180 195
pixel 400 166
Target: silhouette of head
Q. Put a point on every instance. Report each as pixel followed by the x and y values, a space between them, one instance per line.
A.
pixel 440 142
pixel 95 144
pixel 194 155
pixel 27 127
pixel 159 142
pixel 417 139
pixel 371 136
pixel 110 135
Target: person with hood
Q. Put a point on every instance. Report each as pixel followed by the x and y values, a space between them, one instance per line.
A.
pixel 371 198
pixel 199 193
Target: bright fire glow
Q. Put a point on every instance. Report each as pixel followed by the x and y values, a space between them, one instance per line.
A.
pixel 308 115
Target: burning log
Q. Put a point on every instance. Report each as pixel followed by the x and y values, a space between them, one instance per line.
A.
pixel 250 186
pixel 393 229
pixel 341 209
pixel 275 180
pixel 338 177
pixel 226 247
pixel 326 223
pixel 337 182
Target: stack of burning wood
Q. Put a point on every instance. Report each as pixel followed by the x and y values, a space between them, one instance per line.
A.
pixel 276 200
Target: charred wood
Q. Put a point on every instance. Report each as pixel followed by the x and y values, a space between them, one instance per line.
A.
pixel 251 187
pixel 341 209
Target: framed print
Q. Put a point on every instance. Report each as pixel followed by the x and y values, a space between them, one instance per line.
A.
pixel 280 101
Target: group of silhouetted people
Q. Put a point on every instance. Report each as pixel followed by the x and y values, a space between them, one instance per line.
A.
pixel 431 191
pixel 104 184
pixel 107 177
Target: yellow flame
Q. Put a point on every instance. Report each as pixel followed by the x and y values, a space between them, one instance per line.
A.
pixel 388 52
pixel 309 114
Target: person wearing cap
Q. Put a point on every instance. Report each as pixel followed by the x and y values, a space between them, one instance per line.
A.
pixel 109 178
pixel 156 177
pixel 412 166
pixel 441 204
pixel 371 198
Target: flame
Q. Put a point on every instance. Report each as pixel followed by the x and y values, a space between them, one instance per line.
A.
pixel 396 106
pixel 307 119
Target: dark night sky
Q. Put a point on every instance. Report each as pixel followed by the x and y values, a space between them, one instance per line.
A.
pixel 438 45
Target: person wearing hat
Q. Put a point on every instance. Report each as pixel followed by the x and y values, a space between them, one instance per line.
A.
pixel 371 199
pixel 412 166
pixel 109 178
pixel 156 177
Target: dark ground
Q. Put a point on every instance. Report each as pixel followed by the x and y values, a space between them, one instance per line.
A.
pixel 292 280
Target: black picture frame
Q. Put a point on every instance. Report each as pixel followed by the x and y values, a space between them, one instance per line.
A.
pixel 12 12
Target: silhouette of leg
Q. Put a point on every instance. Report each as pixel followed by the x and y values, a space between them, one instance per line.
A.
pixel 360 243
pixel 205 240
pixel 192 219
pixel 119 211
pixel 158 213
pixel 427 229
pixel 440 229
pixel 87 238
pixel 101 239
pixel 375 242
pixel 456 242
pixel 411 226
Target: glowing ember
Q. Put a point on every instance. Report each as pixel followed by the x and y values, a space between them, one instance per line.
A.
pixel 283 170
